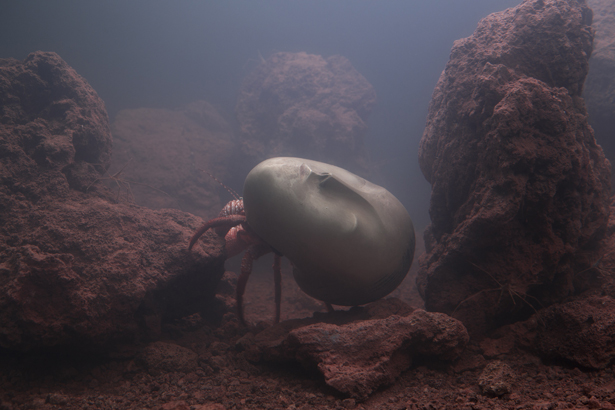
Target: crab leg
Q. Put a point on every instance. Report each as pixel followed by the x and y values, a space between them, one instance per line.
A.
pixel 227 221
pixel 277 278
pixel 252 254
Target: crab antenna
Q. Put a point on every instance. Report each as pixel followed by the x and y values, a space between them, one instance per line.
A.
pixel 230 190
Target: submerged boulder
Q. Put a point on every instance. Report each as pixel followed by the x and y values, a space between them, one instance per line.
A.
pixel 363 349
pixel 580 331
pixel 303 105
pixel 77 269
pixel 520 189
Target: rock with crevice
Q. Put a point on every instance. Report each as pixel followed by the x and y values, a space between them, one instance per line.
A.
pixel 520 189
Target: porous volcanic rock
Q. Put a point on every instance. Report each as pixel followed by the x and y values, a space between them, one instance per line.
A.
pixel 299 104
pixel 520 189
pixel 496 379
pixel 158 357
pixel 51 115
pixel 581 331
pixel 599 90
pixel 76 269
pixel 164 157
pixel 358 357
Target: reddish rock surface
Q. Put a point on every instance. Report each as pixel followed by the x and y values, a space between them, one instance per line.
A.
pixel 78 270
pixel 520 189
pixel 578 331
pixel 227 378
pixel 581 331
pixel 359 357
pixel 163 357
pixel 497 379
pixel 599 90
pixel 303 105
pixel 52 119
pixel 164 156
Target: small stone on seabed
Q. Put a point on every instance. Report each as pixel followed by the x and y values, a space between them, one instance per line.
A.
pixel 496 379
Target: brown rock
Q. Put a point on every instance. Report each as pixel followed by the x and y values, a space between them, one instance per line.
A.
pixel 497 379
pixel 175 405
pixel 160 357
pixel 268 344
pixel 496 347
pixel 469 361
pixel 164 156
pixel 57 399
pixel 356 358
pixel 581 331
pixel 523 333
pixel 599 90
pixel 299 104
pixel 210 406
pixel 82 268
pixel 598 278
pixel 55 118
pixel 78 270
pixel 519 185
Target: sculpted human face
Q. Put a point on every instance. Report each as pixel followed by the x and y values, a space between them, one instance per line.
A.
pixel 350 241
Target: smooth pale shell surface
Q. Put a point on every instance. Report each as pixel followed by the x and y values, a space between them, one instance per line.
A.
pixel 351 242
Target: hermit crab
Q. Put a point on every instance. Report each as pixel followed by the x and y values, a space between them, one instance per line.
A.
pixel 350 242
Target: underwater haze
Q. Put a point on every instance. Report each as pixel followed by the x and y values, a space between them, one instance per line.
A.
pixel 164 54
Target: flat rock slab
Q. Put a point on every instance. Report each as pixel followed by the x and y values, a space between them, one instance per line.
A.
pixel 359 357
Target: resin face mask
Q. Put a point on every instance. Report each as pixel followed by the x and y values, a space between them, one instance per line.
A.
pixel 351 242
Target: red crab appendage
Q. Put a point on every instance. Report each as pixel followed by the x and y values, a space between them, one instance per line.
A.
pixel 239 236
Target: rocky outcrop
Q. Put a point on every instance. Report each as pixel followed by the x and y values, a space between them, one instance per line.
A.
pixel 164 157
pixel 77 269
pixel 520 189
pixel 599 90
pixel 51 119
pixel 581 331
pixel 357 357
pixel 299 104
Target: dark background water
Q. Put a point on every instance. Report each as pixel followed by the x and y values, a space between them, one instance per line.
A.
pixel 155 53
